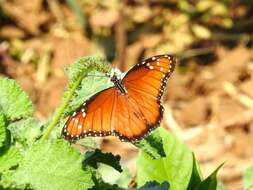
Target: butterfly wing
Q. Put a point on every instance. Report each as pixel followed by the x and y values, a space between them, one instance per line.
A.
pixel 93 118
pixel 146 83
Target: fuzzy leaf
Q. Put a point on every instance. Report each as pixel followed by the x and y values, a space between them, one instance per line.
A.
pixel 152 145
pixel 86 64
pixel 2 129
pixel 8 158
pixel 53 165
pixel 176 167
pixel 13 100
pixel 248 178
pixel 25 131
pixel 6 181
pixel 92 158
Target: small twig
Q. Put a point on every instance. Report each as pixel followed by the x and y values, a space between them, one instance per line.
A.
pixel 121 40
pixel 43 66
pixel 56 11
pixel 194 52
pixel 233 92
pixel 231 37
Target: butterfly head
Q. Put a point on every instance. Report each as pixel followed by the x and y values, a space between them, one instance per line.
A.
pixel 116 74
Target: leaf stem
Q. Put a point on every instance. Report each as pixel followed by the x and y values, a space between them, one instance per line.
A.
pixel 69 93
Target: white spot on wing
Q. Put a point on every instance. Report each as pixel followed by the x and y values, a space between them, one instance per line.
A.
pixel 151 67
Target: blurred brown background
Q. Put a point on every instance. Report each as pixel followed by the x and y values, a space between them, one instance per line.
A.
pixel 209 101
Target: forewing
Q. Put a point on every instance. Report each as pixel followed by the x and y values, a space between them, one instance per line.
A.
pixel 93 118
pixel 146 83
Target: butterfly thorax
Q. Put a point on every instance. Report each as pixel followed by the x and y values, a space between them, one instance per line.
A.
pixel 118 84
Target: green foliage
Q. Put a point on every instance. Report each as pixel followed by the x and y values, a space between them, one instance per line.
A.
pixel 85 65
pixel 210 183
pixel 179 167
pixel 53 164
pixel 25 131
pixel 2 129
pixel 13 101
pixel 196 175
pixel 176 167
pixel 8 158
pixel 152 145
pixel 92 158
pixel 111 176
pixel 248 179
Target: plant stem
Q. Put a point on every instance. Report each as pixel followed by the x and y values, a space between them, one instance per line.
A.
pixel 64 104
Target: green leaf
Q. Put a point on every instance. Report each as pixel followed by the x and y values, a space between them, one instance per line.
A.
pixel 92 158
pixel 152 145
pixel 210 183
pixel 155 186
pixel 248 179
pixel 13 100
pixel 112 176
pixel 25 131
pixel 6 181
pixel 176 167
pixel 8 158
pixel 196 177
pixel 2 129
pixel 53 164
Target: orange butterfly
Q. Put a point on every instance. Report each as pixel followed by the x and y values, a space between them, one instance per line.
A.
pixel 130 109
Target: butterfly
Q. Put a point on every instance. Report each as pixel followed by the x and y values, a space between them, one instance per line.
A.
pixel 130 109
